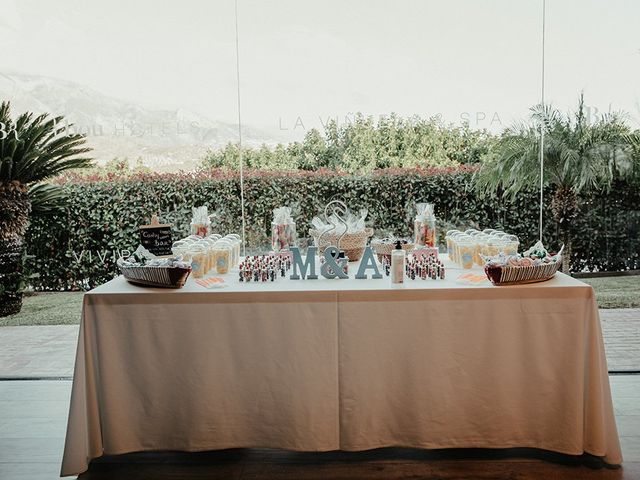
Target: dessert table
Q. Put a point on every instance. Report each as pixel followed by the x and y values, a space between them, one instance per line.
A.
pixel 319 365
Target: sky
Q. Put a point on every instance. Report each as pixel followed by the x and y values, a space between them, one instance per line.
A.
pixel 303 62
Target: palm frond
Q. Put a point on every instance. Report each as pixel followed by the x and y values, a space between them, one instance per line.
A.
pixel 47 199
pixel 579 152
pixel 37 147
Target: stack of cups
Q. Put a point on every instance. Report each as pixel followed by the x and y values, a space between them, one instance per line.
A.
pixel 236 243
pixel 209 253
pixel 467 248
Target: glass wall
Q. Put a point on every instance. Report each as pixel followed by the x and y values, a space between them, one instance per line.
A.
pixel 151 83
pixel 593 49
pixel 354 86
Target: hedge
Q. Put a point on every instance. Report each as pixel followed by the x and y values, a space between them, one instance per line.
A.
pixel 78 249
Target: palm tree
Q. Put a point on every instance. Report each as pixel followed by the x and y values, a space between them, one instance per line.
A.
pixel 32 150
pixel 580 153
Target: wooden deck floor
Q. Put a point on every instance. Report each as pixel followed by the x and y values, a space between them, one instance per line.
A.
pixel 33 418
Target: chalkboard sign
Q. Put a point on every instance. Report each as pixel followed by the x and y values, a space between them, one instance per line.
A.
pixel 156 237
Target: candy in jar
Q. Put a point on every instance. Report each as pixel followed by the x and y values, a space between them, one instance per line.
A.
pixel 425 225
pixel 283 230
pixel 200 223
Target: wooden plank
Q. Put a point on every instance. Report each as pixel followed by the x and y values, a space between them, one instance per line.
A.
pixel 258 466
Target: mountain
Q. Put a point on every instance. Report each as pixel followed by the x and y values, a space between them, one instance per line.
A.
pixel 164 140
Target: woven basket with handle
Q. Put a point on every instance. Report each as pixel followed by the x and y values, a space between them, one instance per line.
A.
pixel 352 244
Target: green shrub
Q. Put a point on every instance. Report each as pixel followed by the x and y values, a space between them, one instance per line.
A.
pixel 360 144
pixel 78 250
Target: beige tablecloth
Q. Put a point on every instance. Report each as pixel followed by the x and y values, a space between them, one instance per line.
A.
pixel 321 365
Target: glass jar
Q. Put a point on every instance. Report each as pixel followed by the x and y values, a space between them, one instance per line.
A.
pixel 200 229
pixel 424 226
pixel 283 236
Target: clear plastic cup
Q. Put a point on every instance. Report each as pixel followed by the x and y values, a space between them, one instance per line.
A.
pixel 198 258
pixel 450 241
pixel 511 244
pixel 495 245
pixel 466 248
pixel 211 253
pixel 207 257
pixel 458 239
pixel 178 247
pixel 455 239
pixel 482 247
pixel 223 255
pixel 236 243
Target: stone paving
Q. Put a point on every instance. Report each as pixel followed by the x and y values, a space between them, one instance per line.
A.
pixel 621 332
pixel 38 351
pixel 49 351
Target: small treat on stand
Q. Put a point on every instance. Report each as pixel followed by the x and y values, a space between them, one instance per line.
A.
pixel 425 267
pixel 386 265
pixel 419 267
pixel 426 253
pixel 264 268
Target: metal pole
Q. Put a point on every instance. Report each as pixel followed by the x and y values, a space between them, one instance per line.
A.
pixel 244 243
pixel 542 124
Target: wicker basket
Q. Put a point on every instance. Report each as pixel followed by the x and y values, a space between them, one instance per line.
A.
pixel 352 244
pixel 508 275
pixel 165 277
pixel 384 249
